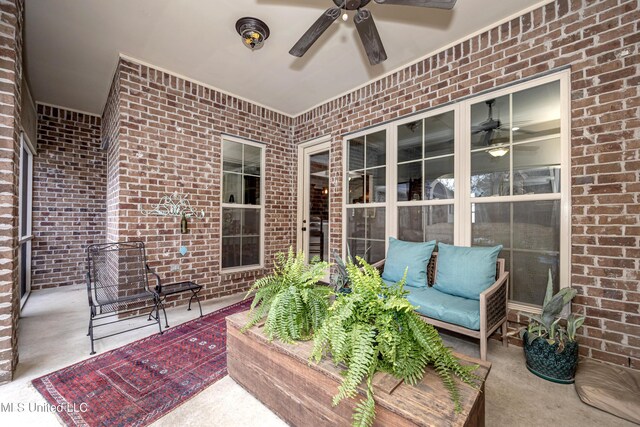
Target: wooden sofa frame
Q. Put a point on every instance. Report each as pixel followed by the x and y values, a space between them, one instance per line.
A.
pixel 493 306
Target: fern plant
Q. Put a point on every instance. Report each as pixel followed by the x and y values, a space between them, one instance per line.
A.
pixel 374 328
pixel 290 298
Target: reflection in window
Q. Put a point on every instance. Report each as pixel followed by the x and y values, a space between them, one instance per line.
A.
pixel 515 151
pixel 425 174
pixel 367 184
pixel 241 204
pixel 515 143
pixel 530 234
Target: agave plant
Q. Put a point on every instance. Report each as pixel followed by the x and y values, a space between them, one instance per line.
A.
pixel 374 328
pixel 340 279
pixel 291 299
pixel 547 325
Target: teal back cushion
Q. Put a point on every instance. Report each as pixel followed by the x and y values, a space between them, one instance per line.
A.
pixel 411 256
pixel 464 271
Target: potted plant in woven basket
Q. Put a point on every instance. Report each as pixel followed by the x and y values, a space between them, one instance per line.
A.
pixel 550 348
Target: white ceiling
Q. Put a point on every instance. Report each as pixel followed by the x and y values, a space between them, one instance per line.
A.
pixel 72 46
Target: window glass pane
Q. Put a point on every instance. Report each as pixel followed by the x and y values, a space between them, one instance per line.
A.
pixel 356 153
pixel 490 122
pixel 232 152
pixel 376 190
pixel 438 179
pixel 529 274
pixel 251 190
pixel 356 223
pixel 439 134
pixel 250 250
pixel 375 223
pixel 376 149
pixel 252 159
pixel 491 224
pixel 410 141
pixel 251 224
pixel 425 223
pixel 366 233
pixel 231 188
pixel 536 225
pixel 356 187
pixel 530 234
pixel 536 167
pixel 489 175
pixel 410 181
pixel 25 203
pixel 231 252
pixel 231 222
pixel 375 252
pixel 536 112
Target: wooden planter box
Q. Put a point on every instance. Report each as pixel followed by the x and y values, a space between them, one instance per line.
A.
pixel 299 392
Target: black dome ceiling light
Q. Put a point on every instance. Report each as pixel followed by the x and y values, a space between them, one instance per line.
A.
pixel 253 31
pixel 364 24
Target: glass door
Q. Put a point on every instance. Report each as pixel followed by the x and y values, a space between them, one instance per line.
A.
pixel 25 208
pixel 314 188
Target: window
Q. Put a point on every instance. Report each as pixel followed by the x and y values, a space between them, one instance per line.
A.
pixel 25 213
pixel 515 181
pixel 425 178
pixel 242 203
pixel 366 195
pixel 485 171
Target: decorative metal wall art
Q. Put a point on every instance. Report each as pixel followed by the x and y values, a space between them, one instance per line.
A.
pixel 174 205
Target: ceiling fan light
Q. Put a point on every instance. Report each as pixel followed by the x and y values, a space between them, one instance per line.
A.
pixel 498 151
pixel 253 32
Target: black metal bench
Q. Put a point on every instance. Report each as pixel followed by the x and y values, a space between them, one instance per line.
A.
pixel 117 284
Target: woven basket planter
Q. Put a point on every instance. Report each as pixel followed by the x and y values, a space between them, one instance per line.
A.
pixel 544 360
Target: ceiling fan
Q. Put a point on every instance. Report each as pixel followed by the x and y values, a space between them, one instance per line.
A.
pixel 489 126
pixel 364 24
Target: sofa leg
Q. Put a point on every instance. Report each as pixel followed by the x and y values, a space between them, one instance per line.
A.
pixel 505 338
pixel 483 348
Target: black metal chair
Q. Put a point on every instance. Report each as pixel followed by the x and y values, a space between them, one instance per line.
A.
pixel 117 284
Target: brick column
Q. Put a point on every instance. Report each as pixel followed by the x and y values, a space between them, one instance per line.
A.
pixel 11 16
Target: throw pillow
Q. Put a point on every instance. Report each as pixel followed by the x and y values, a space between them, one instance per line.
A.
pixel 411 256
pixel 466 272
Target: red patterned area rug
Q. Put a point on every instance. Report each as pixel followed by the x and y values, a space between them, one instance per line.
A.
pixel 136 384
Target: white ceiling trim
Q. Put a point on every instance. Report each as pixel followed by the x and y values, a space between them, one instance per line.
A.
pixel 192 80
pixel 429 55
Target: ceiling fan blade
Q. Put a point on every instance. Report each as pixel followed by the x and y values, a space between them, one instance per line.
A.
pixel 370 37
pixel 315 31
pixel 438 4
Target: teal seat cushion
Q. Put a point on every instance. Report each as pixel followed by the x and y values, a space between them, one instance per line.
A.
pixel 447 308
pixel 466 272
pixel 411 256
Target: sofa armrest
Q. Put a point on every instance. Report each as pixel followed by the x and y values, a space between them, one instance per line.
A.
pixel 493 303
pixel 379 265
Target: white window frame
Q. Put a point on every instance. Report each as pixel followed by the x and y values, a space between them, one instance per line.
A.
pixel 345 184
pixel 462 201
pixel 27 239
pixel 261 206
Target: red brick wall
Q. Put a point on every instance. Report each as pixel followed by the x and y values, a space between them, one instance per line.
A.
pixel 170 135
pixel 11 16
pixel 111 144
pixel 69 193
pixel 599 40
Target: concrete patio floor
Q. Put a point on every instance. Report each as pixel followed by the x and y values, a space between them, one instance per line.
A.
pixel 52 335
